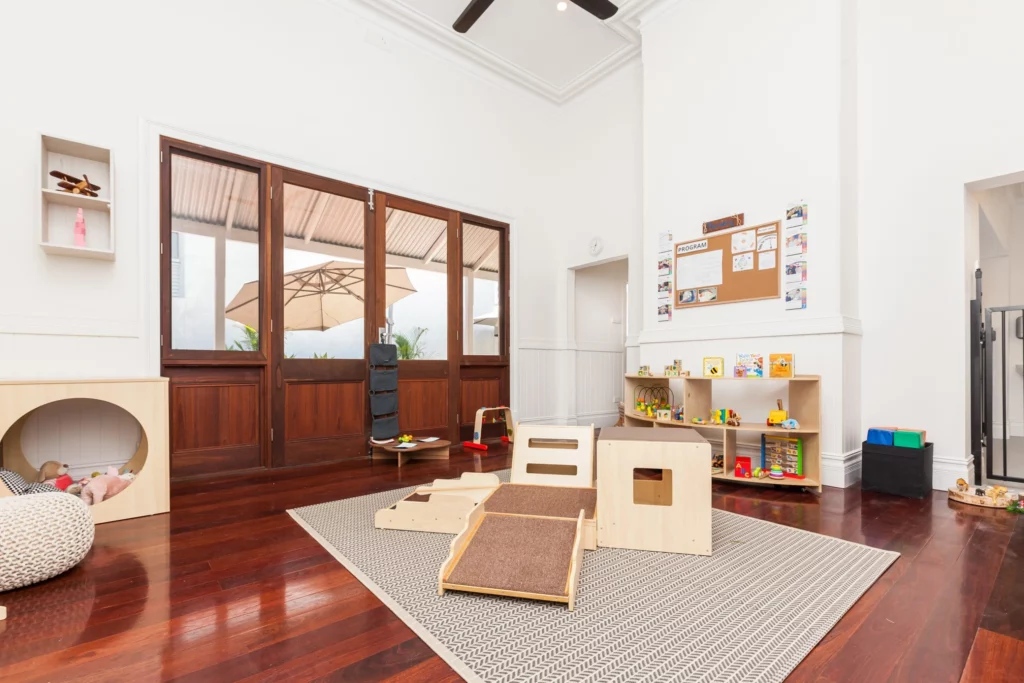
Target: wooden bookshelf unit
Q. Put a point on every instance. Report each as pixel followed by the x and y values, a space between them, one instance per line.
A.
pixel 803 402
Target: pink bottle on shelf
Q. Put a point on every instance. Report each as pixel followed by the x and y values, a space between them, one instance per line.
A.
pixel 80 229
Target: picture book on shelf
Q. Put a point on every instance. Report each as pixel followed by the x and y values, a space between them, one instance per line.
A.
pixel 780 365
pixel 752 364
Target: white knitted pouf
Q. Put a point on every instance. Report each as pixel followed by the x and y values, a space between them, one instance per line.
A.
pixel 42 535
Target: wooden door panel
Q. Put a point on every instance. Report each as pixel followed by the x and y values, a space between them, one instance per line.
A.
pixel 215 421
pixel 323 410
pixel 215 416
pixel 476 394
pixel 422 404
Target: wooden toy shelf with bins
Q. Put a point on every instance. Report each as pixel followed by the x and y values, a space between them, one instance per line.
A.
pixel 803 403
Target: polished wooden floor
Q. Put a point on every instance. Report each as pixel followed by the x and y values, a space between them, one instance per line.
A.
pixel 227 587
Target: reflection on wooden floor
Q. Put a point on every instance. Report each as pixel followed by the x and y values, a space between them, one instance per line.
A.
pixel 227 587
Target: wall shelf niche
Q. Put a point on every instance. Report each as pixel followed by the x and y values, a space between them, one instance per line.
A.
pixel 59 209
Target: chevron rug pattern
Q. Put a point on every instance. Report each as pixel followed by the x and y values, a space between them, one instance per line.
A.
pixel 750 612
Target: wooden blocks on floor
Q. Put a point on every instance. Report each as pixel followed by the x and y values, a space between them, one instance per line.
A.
pixel 654 490
pixel 443 507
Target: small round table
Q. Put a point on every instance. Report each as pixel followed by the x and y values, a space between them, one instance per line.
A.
pixel 433 450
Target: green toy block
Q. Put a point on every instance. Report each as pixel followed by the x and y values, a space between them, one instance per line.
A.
pixel 908 439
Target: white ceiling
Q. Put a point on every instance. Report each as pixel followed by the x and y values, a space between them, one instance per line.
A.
pixel 556 54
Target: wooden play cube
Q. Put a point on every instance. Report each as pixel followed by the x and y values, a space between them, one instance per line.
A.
pixel 654 490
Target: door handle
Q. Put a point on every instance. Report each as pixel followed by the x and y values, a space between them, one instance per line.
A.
pixel 278 376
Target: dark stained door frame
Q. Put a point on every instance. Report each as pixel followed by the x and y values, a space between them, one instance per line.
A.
pixel 267 373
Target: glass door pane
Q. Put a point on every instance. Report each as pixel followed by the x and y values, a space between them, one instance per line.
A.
pixel 324 275
pixel 417 284
pixel 481 290
pixel 215 256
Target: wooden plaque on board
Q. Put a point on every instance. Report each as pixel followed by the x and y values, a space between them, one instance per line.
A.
pixel 750 273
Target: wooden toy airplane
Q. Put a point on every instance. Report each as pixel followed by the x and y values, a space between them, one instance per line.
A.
pixel 69 183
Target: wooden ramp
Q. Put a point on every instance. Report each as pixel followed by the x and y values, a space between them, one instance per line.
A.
pixel 520 556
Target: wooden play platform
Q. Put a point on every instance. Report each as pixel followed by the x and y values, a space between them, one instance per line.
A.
pixel 442 507
pixel 548 501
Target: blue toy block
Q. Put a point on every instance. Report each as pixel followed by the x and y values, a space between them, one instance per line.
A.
pixel 880 437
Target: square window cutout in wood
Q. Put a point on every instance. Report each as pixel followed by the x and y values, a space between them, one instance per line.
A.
pixel 652 486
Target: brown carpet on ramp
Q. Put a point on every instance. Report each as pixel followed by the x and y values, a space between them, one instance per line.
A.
pixel 525 554
pixel 545 501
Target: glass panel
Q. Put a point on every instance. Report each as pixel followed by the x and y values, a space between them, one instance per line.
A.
pixel 417 293
pixel 324 310
pixel 215 259
pixel 481 290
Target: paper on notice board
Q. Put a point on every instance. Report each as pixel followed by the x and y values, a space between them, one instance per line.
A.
pixel 741 262
pixel 703 269
pixel 743 241
pixel 767 242
pixel 766 260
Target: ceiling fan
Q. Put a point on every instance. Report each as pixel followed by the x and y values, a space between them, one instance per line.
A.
pixel 602 9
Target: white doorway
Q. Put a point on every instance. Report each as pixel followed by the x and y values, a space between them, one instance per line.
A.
pixel 597 328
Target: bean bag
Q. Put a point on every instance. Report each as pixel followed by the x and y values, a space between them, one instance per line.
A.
pixel 44 534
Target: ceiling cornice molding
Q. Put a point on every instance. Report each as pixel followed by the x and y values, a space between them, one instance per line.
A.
pixel 639 13
pixel 454 45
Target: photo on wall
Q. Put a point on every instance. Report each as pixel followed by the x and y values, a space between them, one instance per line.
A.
pixel 687 296
pixel 796 298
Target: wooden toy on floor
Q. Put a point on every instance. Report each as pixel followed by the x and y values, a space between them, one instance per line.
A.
pixel 478 426
pixel 442 507
pixel 654 490
pixel 527 537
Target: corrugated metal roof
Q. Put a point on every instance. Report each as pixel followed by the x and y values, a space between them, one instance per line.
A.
pixel 204 192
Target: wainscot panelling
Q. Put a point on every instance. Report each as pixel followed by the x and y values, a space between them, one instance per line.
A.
pixel 598 386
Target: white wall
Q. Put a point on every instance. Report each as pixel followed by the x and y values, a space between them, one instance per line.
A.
pixel 299 84
pixel 748 106
pixel 921 139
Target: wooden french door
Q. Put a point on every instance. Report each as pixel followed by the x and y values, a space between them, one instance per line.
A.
pixel 261 376
pixel 423 239
pixel 321 299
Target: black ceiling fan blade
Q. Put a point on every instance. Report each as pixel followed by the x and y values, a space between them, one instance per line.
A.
pixel 469 15
pixel 602 9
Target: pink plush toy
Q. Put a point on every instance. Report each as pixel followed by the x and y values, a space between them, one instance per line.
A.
pixel 106 486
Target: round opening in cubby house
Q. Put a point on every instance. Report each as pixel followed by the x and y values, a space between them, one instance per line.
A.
pixel 87 436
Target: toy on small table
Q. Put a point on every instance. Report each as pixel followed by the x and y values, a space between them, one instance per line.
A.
pixel 405 438
pixel 742 467
pixel 777 417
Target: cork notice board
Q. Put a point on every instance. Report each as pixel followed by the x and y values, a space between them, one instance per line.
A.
pixel 739 265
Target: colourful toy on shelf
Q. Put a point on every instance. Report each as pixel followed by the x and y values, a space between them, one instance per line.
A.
pixel 649 401
pixel 777 417
pixel 699 421
pixel 784 452
pixel 725 416
pixel 664 414
pixel 743 469
pixel 776 472
pixel 789 424
pixel 644 371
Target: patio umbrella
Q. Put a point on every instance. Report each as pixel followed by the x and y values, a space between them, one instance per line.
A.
pixel 319 297
pixel 488 319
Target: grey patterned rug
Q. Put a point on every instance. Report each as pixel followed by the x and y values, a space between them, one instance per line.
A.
pixel 750 612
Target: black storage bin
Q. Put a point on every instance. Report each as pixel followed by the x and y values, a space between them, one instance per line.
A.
pixel 383 354
pixel 896 470
pixel 383 380
pixel 384 404
pixel 384 427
